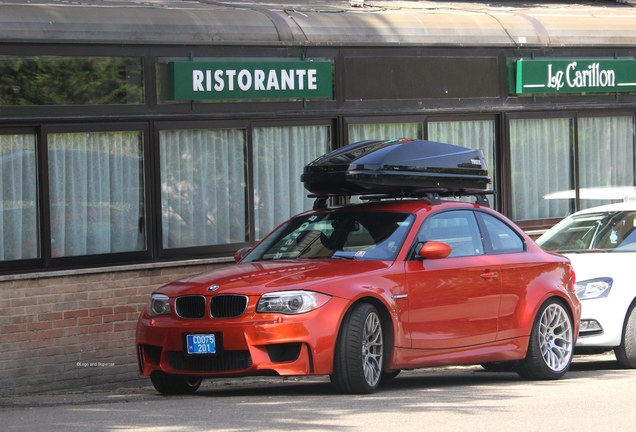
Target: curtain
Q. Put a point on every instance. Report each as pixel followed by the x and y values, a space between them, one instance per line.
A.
pixel 18 197
pixel 473 134
pixel 384 131
pixel 203 187
pixel 540 158
pixel 606 158
pixel 280 154
pixel 96 193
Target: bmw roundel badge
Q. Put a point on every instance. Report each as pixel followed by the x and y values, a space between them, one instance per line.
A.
pixel 213 287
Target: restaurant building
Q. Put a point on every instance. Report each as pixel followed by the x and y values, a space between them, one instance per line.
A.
pixel 145 141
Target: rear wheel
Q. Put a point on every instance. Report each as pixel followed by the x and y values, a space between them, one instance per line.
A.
pixel 174 384
pixel 626 352
pixel 359 351
pixel 551 344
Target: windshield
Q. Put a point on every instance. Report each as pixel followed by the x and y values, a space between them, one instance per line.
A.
pixel 593 232
pixel 368 235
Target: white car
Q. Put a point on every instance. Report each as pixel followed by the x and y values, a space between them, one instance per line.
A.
pixel 601 243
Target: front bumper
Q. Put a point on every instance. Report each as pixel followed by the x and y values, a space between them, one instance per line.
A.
pixel 609 316
pixel 252 344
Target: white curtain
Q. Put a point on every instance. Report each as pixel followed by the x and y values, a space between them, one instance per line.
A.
pixel 384 131
pixel 96 192
pixel 473 134
pixel 280 154
pixel 540 157
pixel 606 155
pixel 203 187
pixel 18 198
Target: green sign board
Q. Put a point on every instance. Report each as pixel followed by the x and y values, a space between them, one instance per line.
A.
pixel 237 79
pixel 555 76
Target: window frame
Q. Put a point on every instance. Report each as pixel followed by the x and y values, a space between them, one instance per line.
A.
pixel 29 263
pixel 227 249
pixel 506 160
pixel 506 195
pixel 96 259
pixel 326 121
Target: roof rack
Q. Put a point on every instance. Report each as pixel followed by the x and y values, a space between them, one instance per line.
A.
pixel 432 195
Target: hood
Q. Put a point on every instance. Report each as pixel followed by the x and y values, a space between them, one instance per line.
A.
pixel 257 278
pixel 591 265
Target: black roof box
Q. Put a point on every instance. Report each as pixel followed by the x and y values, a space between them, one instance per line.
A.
pixel 401 167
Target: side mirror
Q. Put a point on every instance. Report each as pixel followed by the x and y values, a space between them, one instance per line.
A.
pixel 240 254
pixel 434 250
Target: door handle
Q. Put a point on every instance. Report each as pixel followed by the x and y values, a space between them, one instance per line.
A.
pixel 489 275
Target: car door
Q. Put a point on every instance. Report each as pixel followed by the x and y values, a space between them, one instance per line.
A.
pixel 453 301
pixel 508 250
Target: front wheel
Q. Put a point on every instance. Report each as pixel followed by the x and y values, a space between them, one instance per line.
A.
pixel 551 344
pixel 174 384
pixel 626 352
pixel 359 351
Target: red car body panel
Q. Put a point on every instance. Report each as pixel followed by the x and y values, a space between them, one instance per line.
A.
pixel 463 310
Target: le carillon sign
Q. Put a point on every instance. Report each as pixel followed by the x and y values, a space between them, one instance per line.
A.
pixel 556 76
pixel 250 79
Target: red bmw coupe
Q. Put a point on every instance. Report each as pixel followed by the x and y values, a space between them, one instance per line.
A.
pixel 360 292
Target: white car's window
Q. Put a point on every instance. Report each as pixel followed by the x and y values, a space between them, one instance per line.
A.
pixel 593 232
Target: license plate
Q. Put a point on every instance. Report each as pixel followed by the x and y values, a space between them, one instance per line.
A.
pixel 201 343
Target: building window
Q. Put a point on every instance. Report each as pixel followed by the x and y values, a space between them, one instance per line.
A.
pixel 59 80
pixel 280 153
pixel 19 226
pixel 96 193
pixel 384 131
pixel 540 161
pixel 474 134
pixel 203 187
pixel 606 159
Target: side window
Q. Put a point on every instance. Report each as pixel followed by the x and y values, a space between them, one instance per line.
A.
pixel 503 238
pixel 458 229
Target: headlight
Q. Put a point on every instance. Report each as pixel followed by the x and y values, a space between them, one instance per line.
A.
pixel 593 288
pixel 159 305
pixel 291 302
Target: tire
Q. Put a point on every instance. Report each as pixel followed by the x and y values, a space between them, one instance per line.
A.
pixel 359 354
pixel 388 376
pixel 551 344
pixel 626 351
pixel 174 384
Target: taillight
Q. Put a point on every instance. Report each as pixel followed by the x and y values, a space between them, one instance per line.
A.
pixel 572 284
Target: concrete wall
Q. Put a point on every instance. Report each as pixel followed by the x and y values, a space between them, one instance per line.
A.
pixel 75 329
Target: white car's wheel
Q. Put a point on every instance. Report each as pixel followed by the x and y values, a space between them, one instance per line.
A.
pixel 626 352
